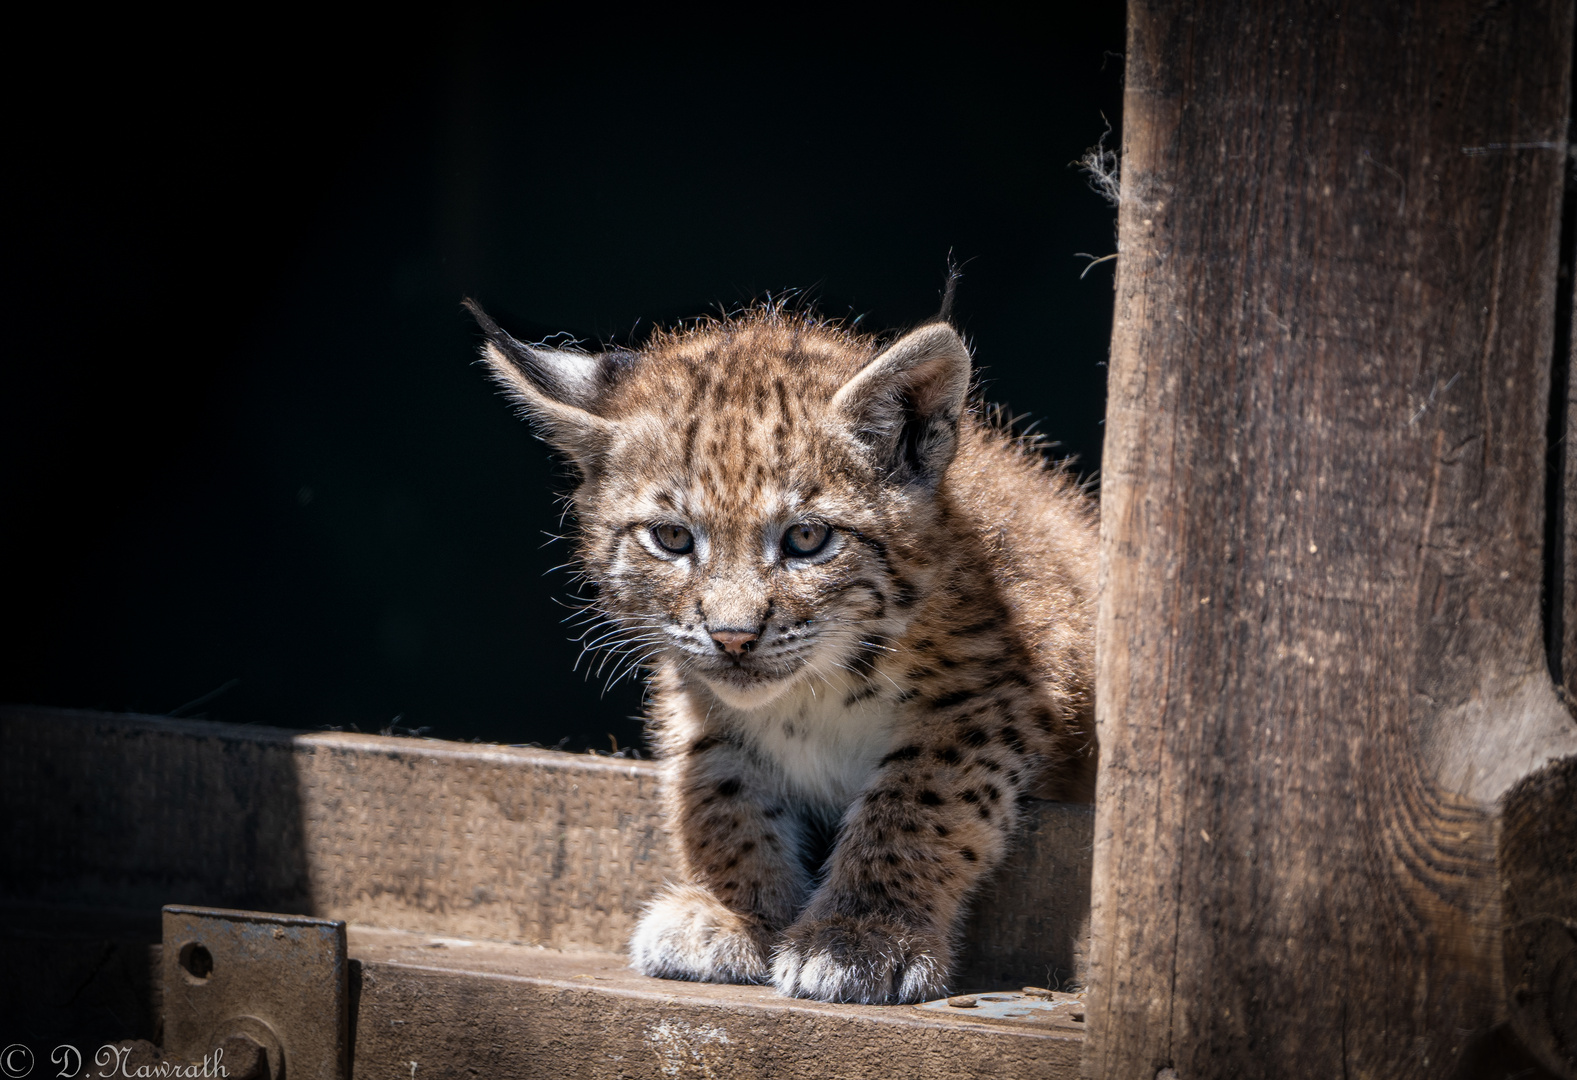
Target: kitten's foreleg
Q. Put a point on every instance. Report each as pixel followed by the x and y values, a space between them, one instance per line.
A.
pixel 880 930
pixel 740 847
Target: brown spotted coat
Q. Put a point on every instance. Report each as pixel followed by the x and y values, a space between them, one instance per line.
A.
pixel 847 732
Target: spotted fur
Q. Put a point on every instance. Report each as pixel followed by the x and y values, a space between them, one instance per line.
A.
pixel 847 734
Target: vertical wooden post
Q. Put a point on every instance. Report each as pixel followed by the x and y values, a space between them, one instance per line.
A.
pixel 1335 832
pixel 1568 462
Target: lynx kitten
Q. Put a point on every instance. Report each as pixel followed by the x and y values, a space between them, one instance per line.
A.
pixel 867 612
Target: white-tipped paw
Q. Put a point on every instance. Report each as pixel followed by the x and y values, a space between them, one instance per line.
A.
pixel 687 933
pixel 866 959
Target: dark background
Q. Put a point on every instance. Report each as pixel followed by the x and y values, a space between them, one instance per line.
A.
pixel 244 445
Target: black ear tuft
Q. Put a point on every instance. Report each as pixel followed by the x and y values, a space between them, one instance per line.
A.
pixel 485 321
pixel 949 291
pixel 564 375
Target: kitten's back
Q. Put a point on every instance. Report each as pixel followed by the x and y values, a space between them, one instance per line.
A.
pixel 1039 528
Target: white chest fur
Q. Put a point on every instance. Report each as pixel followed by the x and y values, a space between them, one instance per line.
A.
pixel 824 747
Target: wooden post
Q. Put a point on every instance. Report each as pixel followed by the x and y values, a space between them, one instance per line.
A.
pixel 1335 826
pixel 1568 455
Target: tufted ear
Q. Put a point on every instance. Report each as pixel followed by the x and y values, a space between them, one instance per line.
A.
pixel 557 389
pixel 905 404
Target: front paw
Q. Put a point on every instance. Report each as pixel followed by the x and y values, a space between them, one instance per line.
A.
pixel 688 934
pixel 866 959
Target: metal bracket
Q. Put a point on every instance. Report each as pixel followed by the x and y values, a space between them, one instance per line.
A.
pixel 262 996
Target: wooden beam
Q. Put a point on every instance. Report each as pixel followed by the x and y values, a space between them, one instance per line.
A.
pixel 1322 665
pixel 489 1010
pixel 488 842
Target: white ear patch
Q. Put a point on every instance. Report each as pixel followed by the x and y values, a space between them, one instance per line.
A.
pixel 573 378
pixel 556 388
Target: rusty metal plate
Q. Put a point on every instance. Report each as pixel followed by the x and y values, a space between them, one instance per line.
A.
pixel 264 996
pixel 1032 1007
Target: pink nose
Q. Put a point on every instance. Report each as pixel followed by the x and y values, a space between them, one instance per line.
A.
pixel 734 642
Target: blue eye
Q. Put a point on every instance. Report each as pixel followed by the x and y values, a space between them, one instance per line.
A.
pixel 675 539
pixel 805 538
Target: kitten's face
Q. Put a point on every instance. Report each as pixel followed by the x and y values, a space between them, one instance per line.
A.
pixel 761 562
pixel 752 491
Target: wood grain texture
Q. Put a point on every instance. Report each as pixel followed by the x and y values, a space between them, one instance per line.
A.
pixel 488 1011
pixel 1538 874
pixel 1569 481
pixel 1321 662
pixel 487 842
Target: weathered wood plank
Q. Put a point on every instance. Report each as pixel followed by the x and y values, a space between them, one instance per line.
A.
pixel 486 842
pixel 492 842
pixel 1321 662
pixel 467 1010
pixel 462 1008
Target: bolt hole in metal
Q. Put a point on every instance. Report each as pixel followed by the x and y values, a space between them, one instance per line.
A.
pixel 235 982
pixel 196 961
